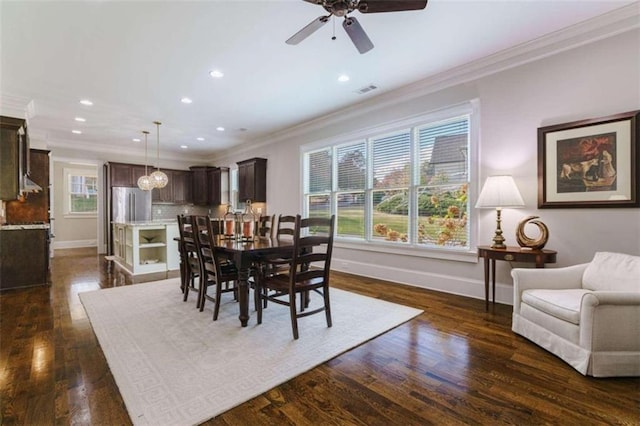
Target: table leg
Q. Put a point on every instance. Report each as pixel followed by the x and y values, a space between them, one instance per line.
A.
pixel 486 283
pixel 493 280
pixel 243 264
pixel 243 295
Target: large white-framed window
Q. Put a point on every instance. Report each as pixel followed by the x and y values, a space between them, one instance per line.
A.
pixel 80 192
pixel 401 187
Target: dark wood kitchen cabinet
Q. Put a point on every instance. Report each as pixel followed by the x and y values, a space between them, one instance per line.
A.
pixel 177 191
pixel 210 185
pixel 200 184
pixel 121 174
pixel 182 187
pixel 218 186
pixel 252 180
pixel 10 157
pixel 25 258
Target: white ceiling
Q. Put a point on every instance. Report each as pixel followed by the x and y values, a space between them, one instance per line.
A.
pixel 136 60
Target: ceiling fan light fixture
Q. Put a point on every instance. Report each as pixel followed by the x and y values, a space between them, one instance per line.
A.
pixel 342 9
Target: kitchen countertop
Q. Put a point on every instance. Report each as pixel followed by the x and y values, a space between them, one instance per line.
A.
pixel 9 227
pixel 148 222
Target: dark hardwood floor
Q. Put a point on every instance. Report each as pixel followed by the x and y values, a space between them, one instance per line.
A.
pixel 454 364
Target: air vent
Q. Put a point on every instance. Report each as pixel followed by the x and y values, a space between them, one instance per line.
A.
pixel 366 89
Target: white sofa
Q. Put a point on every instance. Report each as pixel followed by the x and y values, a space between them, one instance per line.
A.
pixel 588 314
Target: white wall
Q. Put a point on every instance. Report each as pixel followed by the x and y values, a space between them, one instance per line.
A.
pixel 70 232
pixel 593 80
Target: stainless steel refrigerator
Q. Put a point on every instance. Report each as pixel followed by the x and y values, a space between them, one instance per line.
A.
pixel 128 205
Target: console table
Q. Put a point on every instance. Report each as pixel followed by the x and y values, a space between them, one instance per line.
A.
pixel 510 254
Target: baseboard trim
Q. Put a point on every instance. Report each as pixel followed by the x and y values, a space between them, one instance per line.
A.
pixel 74 244
pixel 438 282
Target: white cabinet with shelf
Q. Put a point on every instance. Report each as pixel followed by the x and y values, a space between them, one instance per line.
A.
pixel 146 248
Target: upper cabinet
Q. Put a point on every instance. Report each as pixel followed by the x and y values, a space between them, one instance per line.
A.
pixel 125 174
pixel 252 180
pixel 218 186
pixel 210 185
pixel 200 185
pixel 182 187
pixel 10 160
pixel 178 189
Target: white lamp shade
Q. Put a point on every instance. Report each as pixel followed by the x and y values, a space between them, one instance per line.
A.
pixel 499 191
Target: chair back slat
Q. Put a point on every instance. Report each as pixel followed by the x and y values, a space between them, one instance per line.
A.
pixel 286 225
pixel 266 226
pixel 312 254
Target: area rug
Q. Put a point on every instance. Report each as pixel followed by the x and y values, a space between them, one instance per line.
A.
pixel 175 366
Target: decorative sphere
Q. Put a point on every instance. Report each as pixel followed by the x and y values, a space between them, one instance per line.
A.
pixel 159 179
pixel 144 183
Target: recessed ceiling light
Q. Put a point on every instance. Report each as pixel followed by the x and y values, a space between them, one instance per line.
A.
pixel 77 132
pixel 86 102
pixel 184 146
pixel 136 139
pixel 80 119
pixel 343 78
pixel 220 129
pixel 186 100
pixel 216 73
pixel 200 139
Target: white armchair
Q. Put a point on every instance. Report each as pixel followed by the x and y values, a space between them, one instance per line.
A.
pixel 588 314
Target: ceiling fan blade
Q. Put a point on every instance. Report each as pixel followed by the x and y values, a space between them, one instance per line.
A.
pixel 357 35
pixel 376 6
pixel 308 30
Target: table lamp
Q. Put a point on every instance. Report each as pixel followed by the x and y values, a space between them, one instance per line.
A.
pixel 499 192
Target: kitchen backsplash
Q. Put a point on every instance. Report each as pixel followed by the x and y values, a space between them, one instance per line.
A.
pixel 171 211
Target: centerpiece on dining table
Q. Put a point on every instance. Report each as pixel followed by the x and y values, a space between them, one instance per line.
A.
pixel 228 224
pixel 246 224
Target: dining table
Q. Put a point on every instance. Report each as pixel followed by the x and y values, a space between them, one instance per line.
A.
pixel 245 253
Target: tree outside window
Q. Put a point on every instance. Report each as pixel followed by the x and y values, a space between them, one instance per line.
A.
pixel 406 187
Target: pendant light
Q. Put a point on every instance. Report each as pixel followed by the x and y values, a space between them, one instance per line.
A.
pixel 158 178
pixel 144 182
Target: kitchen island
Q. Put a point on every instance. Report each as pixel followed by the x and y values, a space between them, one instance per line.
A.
pixel 146 247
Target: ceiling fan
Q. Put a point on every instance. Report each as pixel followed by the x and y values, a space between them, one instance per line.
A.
pixel 350 24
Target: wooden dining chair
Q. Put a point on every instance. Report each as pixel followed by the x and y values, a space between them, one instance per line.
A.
pixel 216 270
pixel 285 229
pixel 266 226
pixel 308 272
pixel 189 262
pixel 286 226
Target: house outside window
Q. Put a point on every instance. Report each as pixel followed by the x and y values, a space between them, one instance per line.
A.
pixel 405 187
pixel 81 192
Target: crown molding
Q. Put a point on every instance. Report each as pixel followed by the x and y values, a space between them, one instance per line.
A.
pixel 112 152
pixel 13 106
pixel 616 22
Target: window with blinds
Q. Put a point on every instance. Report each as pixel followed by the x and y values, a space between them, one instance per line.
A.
pixel 406 187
